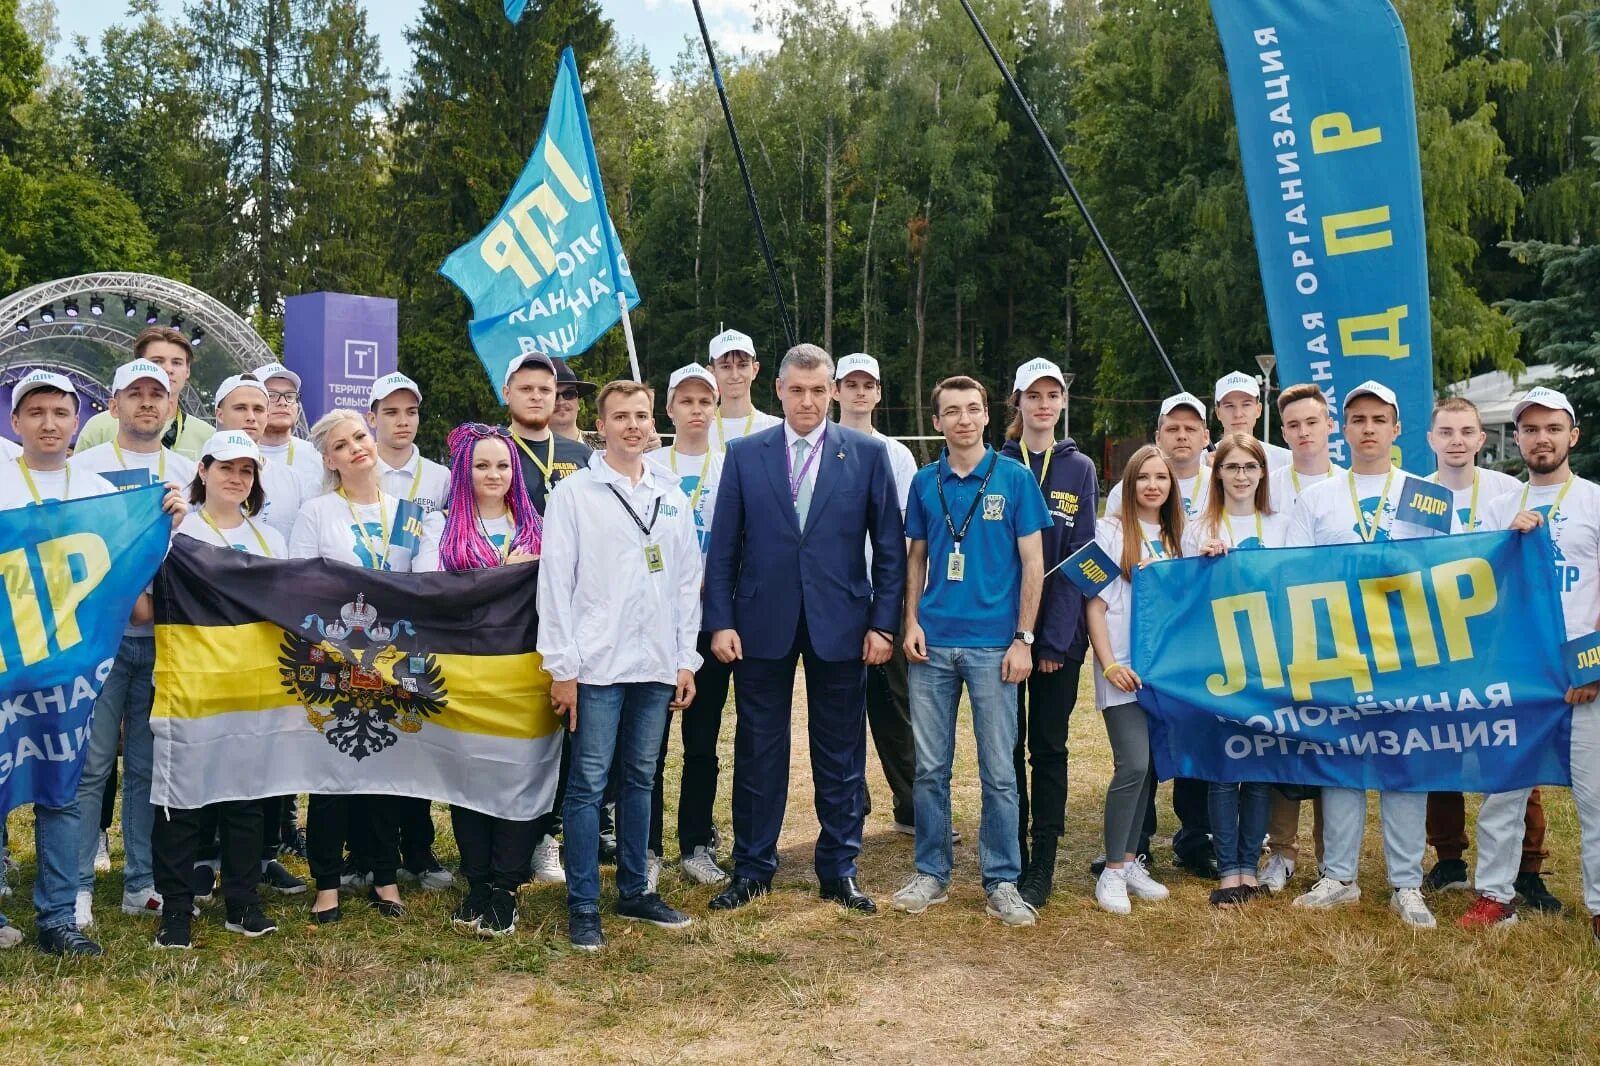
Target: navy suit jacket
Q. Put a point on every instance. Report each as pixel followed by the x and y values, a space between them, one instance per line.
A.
pixel 762 571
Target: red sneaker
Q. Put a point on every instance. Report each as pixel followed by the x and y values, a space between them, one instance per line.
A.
pixel 1486 912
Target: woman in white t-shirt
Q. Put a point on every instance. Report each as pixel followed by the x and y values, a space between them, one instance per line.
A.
pixel 1238 515
pixel 1148 526
pixel 355 523
pixel 490 522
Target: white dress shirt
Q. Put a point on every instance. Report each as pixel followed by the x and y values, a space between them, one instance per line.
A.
pixel 419 479
pixel 604 618
pixel 812 438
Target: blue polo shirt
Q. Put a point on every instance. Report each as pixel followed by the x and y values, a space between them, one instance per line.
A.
pixel 981 610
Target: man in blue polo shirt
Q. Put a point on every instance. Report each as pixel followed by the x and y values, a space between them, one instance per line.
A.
pixel 974 574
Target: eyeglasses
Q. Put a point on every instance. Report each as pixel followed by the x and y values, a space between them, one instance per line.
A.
pixel 1235 469
pixel 283 399
pixel 567 394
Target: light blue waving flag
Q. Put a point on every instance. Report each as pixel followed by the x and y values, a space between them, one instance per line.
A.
pixel 544 275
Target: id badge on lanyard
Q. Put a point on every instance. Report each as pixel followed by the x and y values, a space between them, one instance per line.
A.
pixel 955 567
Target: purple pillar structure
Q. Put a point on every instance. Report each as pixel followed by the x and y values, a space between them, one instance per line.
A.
pixel 339 344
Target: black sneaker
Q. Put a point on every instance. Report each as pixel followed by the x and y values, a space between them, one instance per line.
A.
pixel 469 912
pixel 1532 889
pixel 277 878
pixel 1447 874
pixel 583 930
pixel 175 932
pixel 652 909
pixel 202 882
pixel 67 940
pixel 1037 882
pixel 500 919
pixel 251 922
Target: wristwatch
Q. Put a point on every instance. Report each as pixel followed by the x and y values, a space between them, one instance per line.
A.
pixel 1024 635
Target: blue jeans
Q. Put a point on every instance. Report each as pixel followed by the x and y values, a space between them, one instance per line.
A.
pixel 55 878
pixel 626 722
pixel 935 699
pixel 1239 813
pixel 123 710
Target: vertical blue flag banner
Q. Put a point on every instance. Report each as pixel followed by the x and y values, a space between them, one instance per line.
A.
pixel 1328 140
pixel 72 572
pixel 1416 666
pixel 544 275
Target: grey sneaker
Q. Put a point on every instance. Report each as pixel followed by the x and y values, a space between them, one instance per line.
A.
pixel 10 936
pixel 701 867
pixel 920 893
pixel 1007 904
pixel 1409 905
pixel 547 869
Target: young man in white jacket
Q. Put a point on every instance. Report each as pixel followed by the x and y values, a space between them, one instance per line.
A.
pixel 619 616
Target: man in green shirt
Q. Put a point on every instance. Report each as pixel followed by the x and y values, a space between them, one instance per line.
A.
pixel 169 349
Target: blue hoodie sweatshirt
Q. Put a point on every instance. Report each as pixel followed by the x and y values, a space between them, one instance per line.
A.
pixel 1071 492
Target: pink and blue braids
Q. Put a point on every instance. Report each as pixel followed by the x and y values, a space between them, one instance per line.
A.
pixel 464 545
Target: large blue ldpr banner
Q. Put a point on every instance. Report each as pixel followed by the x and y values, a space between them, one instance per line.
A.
pixel 1328 138
pixel 72 572
pixel 1416 666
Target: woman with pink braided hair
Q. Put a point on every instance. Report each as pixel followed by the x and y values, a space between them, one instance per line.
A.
pixel 490 522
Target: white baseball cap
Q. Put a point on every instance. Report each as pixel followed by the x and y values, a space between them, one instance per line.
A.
pixel 1375 389
pixel 1033 370
pixel 39 379
pixel 1237 382
pixel 391 383
pixel 731 340
pixel 268 371
pixel 1543 397
pixel 137 370
pixel 1183 399
pixel 238 381
pixel 859 361
pixel 526 359
pixel 692 372
pixel 231 444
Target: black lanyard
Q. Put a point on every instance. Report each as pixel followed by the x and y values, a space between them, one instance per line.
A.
pixel 966 523
pixel 654 514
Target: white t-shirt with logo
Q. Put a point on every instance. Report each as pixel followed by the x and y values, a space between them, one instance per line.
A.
pixel 1326 513
pixel 422 480
pixel 1196 491
pixel 721 433
pixel 1492 484
pixel 702 472
pixel 500 532
pixel 1238 532
pixel 1119 604
pixel 326 529
pixel 1575 533
pixel 299 456
pixel 1285 485
pixel 51 485
pixel 251 536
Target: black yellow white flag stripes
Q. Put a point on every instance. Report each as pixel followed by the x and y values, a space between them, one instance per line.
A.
pixel 281 676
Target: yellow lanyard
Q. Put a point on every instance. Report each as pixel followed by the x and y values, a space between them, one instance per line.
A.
pixel 27 479
pixel 416 479
pixel 1369 533
pixel 511 534
pixel 1044 468
pixel 722 435
pixel 361 529
pixel 705 465
pixel 1156 549
pixel 161 463
pixel 291 451
pixel 1472 508
pixel 226 543
pixel 1194 490
pixel 1227 522
pixel 1554 507
pixel 544 467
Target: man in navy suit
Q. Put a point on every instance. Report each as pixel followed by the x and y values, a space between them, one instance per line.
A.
pixel 786 578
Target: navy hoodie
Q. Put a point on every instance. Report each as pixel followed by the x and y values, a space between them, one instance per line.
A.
pixel 1071 492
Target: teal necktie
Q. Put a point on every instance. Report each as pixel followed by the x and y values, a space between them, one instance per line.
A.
pixel 802 500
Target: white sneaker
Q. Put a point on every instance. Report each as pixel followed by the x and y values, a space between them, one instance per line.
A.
pixel 1111 892
pixel 652 872
pixel 920 893
pixel 1140 884
pixel 83 910
pixel 10 936
pixel 547 868
pixel 146 903
pixel 701 867
pixel 1007 904
pixel 1409 905
pixel 102 854
pixel 1329 892
pixel 1277 872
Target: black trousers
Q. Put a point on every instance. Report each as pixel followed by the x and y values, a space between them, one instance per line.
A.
pixel 415 819
pixel 175 841
pixel 889 718
pixel 1190 804
pixel 1044 709
pixel 497 852
pixel 329 824
pixel 700 726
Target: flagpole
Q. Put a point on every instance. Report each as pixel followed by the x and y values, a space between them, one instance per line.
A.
pixel 627 335
pixel 1072 190
pixel 744 172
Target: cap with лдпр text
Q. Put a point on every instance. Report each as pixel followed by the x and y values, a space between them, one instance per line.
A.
pixel 39 379
pixel 692 372
pixel 231 444
pixel 392 383
pixel 239 381
pixel 1376 389
pixel 1237 382
pixel 138 370
pixel 268 371
pixel 1033 370
pixel 536 360
pixel 1539 396
pixel 1183 399
pixel 857 363
pixel 731 340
